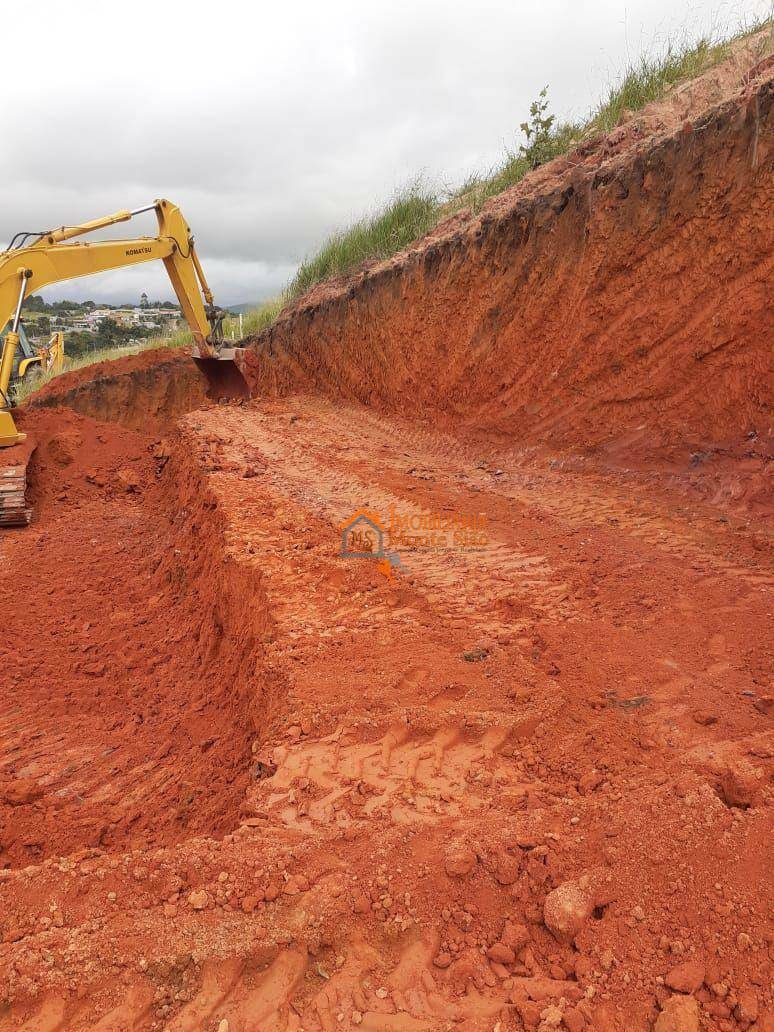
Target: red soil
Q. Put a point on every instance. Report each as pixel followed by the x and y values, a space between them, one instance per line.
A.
pixel 250 784
pixel 583 700
pixel 597 306
pixel 141 391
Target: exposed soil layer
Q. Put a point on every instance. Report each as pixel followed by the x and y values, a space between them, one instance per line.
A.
pixel 597 305
pixel 124 717
pixel 144 392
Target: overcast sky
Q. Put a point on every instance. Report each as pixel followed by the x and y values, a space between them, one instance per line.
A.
pixel 272 123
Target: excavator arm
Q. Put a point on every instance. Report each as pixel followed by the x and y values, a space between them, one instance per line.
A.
pixel 56 255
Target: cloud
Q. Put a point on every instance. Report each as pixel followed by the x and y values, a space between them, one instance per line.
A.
pixel 271 125
pixel 240 279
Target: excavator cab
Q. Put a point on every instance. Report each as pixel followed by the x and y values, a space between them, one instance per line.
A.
pixel 30 359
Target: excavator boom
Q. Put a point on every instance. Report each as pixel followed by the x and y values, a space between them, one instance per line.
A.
pixel 58 255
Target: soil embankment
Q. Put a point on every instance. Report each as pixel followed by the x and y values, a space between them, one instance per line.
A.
pixel 143 392
pixel 618 300
pixel 129 653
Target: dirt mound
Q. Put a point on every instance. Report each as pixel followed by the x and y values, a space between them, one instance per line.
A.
pixel 143 392
pixel 615 301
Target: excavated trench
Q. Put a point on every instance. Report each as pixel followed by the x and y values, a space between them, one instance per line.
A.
pixel 141 634
pixel 145 392
pixel 593 309
pixel 581 702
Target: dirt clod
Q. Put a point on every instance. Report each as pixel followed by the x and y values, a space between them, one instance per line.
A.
pixel 747 1005
pixel 500 953
pixel 686 977
pixel 679 1014
pixel 459 861
pixel 739 785
pixel 566 910
pixel 199 899
pixel 21 792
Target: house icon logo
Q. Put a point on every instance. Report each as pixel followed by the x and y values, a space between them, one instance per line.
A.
pixel 362 536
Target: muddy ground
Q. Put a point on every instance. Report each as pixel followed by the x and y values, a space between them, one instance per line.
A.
pixel 249 779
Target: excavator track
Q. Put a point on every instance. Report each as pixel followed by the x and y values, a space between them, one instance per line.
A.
pixel 14 511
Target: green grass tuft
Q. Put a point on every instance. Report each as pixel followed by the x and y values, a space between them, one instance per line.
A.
pixel 257 319
pixel 408 216
pixel 649 80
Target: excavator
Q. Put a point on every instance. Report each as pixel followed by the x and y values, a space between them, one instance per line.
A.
pixel 30 360
pixel 37 259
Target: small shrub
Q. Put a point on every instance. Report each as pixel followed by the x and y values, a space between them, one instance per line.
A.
pixel 537 129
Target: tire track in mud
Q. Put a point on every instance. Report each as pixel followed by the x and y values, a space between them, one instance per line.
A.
pixel 313 465
pixel 595 499
pixel 313 450
pixel 304 466
pixel 604 548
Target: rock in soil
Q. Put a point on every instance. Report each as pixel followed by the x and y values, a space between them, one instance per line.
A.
pixel 566 910
pixel 679 1014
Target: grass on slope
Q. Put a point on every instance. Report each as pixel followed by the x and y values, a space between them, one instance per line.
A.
pixel 416 209
pixel 413 211
pixel 409 215
pixel 643 83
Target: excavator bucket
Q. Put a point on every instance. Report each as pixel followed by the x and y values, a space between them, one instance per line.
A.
pixel 223 375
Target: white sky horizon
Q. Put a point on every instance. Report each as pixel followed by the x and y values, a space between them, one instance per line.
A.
pixel 273 125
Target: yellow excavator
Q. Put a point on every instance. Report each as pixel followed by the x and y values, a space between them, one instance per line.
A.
pixel 32 359
pixel 35 260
